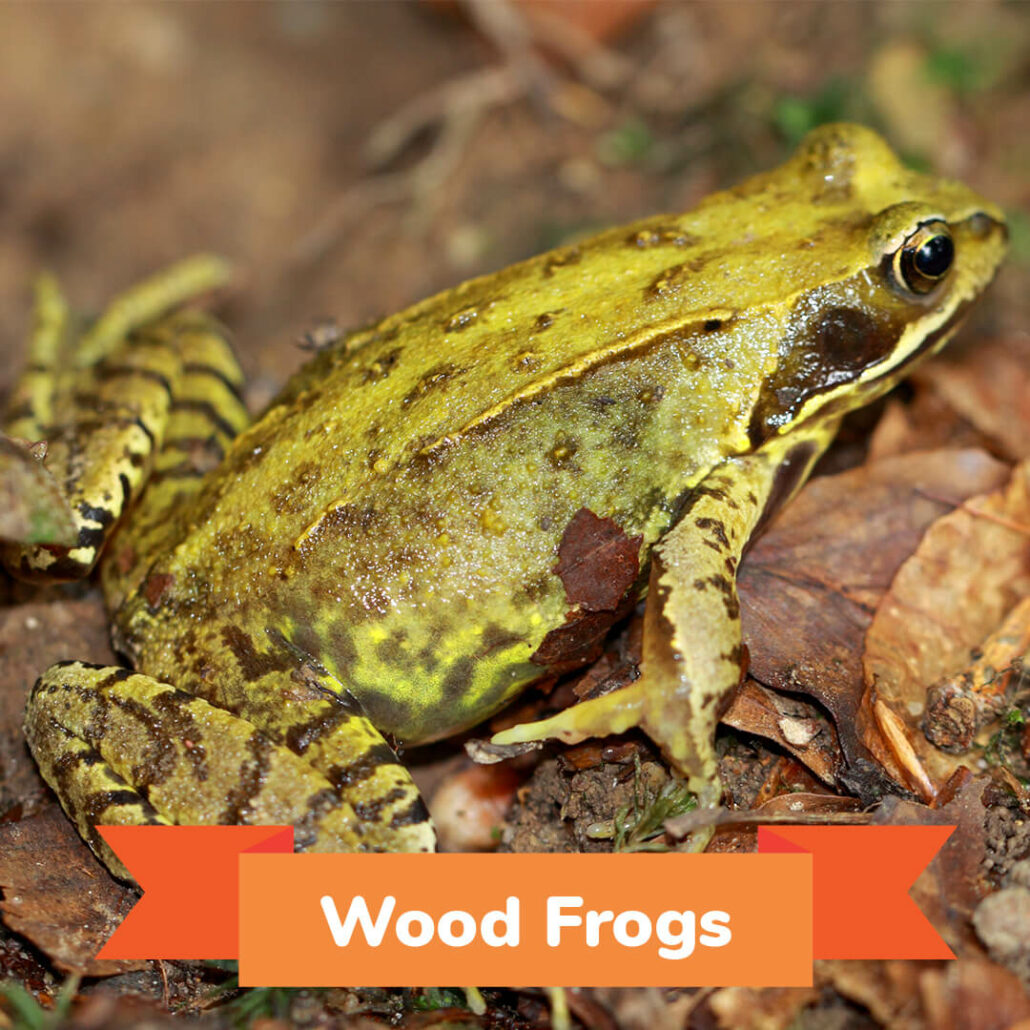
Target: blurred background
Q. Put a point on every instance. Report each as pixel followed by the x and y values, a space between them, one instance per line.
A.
pixel 353 157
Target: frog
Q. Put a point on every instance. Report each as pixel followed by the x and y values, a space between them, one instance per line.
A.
pixel 445 506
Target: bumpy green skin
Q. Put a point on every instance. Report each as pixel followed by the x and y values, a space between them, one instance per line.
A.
pixel 393 523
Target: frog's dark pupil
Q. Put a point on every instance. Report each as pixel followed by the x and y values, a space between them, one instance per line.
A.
pixel 934 257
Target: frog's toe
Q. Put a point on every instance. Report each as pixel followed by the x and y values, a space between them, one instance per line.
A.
pixel 616 712
pixel 120 747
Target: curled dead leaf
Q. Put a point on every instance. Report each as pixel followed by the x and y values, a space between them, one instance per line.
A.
pixel 969 570
pixel 59 896
pixel 810 587
pixel 795 725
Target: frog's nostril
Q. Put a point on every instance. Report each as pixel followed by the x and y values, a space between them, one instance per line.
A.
pixel 981 225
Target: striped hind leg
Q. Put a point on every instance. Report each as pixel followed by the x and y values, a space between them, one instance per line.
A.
pixel 100 397
pixel 206 411
pixel 121 748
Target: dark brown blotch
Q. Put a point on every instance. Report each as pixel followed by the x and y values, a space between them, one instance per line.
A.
pixel 370 811
pixel 526 361
pixel 294 495
pixel 716 528
pixel 563 452
pixel 156 588
pixel 361 768
pixel 381 367
pixel 561 259
pixel 253 664
pixel 432 380
pixel 661 236
pixel 412 814
pixel 455 682
pixel 249 782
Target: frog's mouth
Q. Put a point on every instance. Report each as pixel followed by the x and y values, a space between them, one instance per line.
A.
pixel 932 342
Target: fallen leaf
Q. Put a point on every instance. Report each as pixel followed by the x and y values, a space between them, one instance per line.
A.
pixel 809 588
pixel 59 896
pixel 771 1008
pixel 974 994
pixel 989 387
pixel 598 565
pixel 968 571
pixel 33 636
pixel 889 990
pixel 927 423
pixel 796 726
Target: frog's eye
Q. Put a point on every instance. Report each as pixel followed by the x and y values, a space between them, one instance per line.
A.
pixel 924 259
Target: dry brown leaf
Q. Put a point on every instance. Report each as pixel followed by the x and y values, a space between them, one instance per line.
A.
pixel 967 994
pixel 801 803
pixel 810 586
pixel 990 388
pixel 33 636
pixel 59 896
pixel 598 565
pixel 969 570
pixel 889 990
pixel 973 994
pixel 796 726
pixel 928 423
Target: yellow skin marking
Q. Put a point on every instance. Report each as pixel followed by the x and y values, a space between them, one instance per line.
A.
pixel 440 507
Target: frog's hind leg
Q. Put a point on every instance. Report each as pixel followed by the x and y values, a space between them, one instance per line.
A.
pixel 299 705
pixel 205 415
pixel 100 397
pixel 121 748
pixel 692 652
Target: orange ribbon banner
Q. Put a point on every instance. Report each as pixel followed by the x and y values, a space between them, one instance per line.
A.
pixel 312 920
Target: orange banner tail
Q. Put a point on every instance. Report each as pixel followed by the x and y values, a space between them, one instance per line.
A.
pixel 189 876
pixel 860 885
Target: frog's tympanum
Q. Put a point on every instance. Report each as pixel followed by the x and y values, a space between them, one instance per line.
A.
pixel 447 505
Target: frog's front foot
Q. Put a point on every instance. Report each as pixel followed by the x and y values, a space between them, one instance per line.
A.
pixel 121 748
pixel 616 712
pixel 613 713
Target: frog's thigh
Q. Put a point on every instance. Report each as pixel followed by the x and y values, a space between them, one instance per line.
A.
pixel 120 747
pixel 692 652
pixel 308 711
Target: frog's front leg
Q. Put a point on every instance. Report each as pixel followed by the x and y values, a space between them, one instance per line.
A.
pixel 122 748
pixel 693 657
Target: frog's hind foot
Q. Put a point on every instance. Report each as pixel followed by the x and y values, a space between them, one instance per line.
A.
pixel 105 396
pixel 121 748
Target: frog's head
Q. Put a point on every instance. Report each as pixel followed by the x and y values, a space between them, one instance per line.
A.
pixel 907 256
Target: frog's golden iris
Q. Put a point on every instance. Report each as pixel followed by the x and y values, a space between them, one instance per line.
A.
pixel 443 506
pixel 924 259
